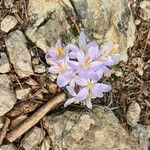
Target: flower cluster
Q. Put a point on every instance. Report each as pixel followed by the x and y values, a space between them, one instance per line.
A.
pixel 79 68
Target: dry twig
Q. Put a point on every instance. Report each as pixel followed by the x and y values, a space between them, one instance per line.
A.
pixel 4 130
pixel 35 118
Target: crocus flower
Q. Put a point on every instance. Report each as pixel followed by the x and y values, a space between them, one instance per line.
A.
pixel 90 87
pixel 85 64
pixel 57 52
pixel 62 69
pixel 83 46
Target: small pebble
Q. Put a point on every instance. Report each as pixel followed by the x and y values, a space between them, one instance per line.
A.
pixel 40 68
pixel 133 114
pixel 53 88
pixel 22 93
pixel 4 63
pixel 137 21
pixel 8 3
pixel 8 23
pixel 35 61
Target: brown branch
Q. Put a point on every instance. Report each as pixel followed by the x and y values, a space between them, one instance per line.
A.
pixel 4 130
pixel 35 118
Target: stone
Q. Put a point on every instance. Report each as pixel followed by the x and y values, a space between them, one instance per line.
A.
pixel 142 134
pixel 7 96
pixel 98 17
pixel 46 144
pixel 98 129
pixel 53 88
pixel 35 61
pixel 133 114
pixel 19 54
pixel 8 23
pixel 22 93
pixel 44 35
pixel 8 147
pixel 39 68
pixel 32 139
pixel 4 63
pixel 1 122
pixel 145 6
pixel 8 3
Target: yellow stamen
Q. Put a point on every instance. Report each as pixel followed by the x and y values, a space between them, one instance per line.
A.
pixel 87 63
pixel 89 84
pixel 59 51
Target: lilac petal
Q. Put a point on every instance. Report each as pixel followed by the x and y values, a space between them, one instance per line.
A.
pixel 106 70
pixel 92 75
pixel 53 70
pixel 109 61
pixel 71 90
pixel 58 44
pixel 90 44
pixel 92 52
pixel 103 87
pixel 80 57
pixel 88 103
pixel 96 65
pixel 82 95
pixel 72 47
pixel 72 83
pixel 100 73
pixel 82 41
pixel 69 101
pixel 96 91
pixel 62 80
pixel 73 55
pixel 106 47
pixel 73 64
pixel 52 54
pixel 81 81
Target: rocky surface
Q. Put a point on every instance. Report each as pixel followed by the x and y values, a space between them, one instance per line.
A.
pixel 8 23
pixel 39 68
pixel 133 114
pixel 32 139
pixel 19 54
pixel 7 96
pixel 1 122
pixel 96 130
pixel 4 63
pixel 99 19
pixel 8 3
pixel 145 5
pixel 142 134
pixel 8 147
pixel 22 93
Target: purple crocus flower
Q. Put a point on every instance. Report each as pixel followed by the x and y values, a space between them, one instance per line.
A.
pixel 92 88
pixel 83 46
pixel 63 70
pixel 86 66
pixel 57 52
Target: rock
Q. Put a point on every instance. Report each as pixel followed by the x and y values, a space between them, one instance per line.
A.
pixel 8 3
pixel 133 114
pixel 22 93
pixel 8 23
pixel 4 63
pixel 8 147
pixel 32 139
pixel 46 144
pixel 7 96
pixel 14 123
pixel 1 122
pixel 98 129
pixel 19 54
pixel 145 5
pixel 53 28
pixel 53 88
pixel 39 68
pixel 142 133
pixel 98 17
pixel 35 61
